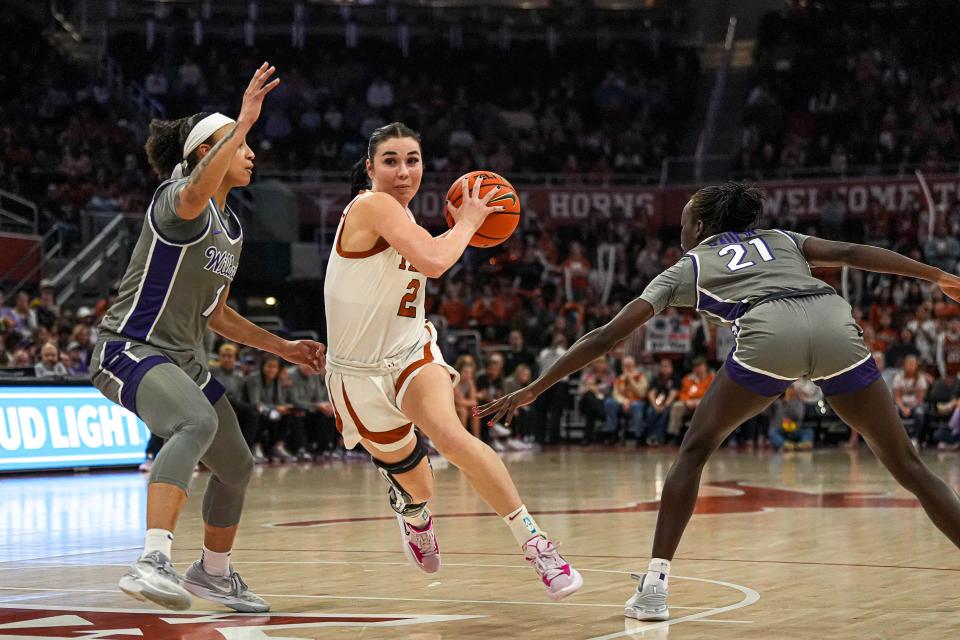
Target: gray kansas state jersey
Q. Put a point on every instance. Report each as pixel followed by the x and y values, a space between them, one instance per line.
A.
pixel 723 274
pixel 177 273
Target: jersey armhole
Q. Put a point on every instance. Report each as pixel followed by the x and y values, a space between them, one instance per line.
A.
pixel 379 246
pixel 155 227
pixel 793 239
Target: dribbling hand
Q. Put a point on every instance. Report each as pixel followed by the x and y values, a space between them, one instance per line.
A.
pixel 473 207
pixel 255 93
pixel 506 406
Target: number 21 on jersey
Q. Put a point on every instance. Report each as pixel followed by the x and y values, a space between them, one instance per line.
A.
pixel 739 251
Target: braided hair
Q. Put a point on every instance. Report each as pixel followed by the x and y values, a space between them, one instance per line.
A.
pixel 359 180
pixel 728 207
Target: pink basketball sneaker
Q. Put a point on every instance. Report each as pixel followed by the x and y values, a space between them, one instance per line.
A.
pixel 420 545
pixel 559 578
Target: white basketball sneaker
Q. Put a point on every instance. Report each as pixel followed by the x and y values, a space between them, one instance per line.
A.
pixel 558 577
pixel 152 578
pixel 420 545
pixel 650 600
pixel 230 591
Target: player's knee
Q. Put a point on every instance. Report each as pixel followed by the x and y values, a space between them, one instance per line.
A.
pixel 909 470
pixel 240 471
pixel 200 424
pixel 695 450
pixel 205 423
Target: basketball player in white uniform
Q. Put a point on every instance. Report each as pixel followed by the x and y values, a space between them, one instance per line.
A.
pixel 385 374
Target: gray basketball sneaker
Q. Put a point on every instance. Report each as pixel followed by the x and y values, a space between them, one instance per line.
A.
pixel 152 578
pixel 230 590
pixel 649 602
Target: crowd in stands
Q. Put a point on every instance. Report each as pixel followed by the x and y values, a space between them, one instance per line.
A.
pixel 69 144
pixel 66 143
pixel 551 113
pixel 542 292
pixel 65 139
pixel 845 84
pixel 37 336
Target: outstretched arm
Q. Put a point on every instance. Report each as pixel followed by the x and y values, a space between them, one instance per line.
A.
pixel 232 326
pixel 584 351
pixel 829 253
pixel 206 177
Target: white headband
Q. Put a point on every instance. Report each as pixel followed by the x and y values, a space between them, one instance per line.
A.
pixel 200 132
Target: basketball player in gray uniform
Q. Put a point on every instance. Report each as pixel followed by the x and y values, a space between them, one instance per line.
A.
pixel 787 324
pixel 150 356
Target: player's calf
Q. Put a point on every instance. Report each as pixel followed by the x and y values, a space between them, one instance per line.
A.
pixel 417 535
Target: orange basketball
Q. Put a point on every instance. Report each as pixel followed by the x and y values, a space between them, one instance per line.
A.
pixel 498 226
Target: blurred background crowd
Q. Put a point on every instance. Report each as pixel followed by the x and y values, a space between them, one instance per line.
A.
pixel 833 91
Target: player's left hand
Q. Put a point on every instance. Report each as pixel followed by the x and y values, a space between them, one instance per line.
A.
pixel 308 352
pixel 506 406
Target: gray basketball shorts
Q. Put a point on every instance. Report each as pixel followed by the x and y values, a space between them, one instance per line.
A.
pixel 119 364
pixel 814 337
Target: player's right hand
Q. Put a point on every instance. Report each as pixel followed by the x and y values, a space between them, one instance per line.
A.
pixel 473 207
pixel 950 285
pixel 255 93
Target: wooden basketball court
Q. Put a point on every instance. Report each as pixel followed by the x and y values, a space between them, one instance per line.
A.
pixel 803 545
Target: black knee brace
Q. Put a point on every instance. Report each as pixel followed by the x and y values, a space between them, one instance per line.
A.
pixel 400 500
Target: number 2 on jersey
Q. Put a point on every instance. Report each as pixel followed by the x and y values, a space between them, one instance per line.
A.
pixel 408 303
pixel 739 251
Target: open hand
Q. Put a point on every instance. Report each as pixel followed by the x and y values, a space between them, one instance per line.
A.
pixel 473 207
pixel 506 406
pixel 255 93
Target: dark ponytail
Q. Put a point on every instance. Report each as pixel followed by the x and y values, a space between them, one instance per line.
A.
pixel 729 207
pixel 164 145
pixel 359 180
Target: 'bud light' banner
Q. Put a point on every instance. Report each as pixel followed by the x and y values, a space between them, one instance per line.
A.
pixel 56 427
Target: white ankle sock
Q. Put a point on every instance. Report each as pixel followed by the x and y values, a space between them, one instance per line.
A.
pixel 418 520
pixel 158 540
pixel 522 525
pixel 659 570
pixel 215 563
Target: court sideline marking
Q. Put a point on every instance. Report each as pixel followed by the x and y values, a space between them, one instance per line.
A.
pixel 750 597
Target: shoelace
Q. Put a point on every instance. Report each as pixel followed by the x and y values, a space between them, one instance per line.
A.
pixel 237 584
pixel 547 560
pixel 424 541
pixel 164 566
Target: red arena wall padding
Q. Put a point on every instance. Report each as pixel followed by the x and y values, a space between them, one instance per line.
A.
pixel 570 205
pixel 20 256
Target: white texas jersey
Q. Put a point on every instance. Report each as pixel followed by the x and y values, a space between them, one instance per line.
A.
pixel 374 301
